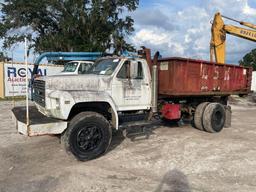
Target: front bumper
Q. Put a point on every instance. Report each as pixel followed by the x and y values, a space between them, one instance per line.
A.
pixel 38 124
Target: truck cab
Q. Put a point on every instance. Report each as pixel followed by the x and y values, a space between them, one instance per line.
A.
pixel 76 67
pixel 113 91
pixel 122 83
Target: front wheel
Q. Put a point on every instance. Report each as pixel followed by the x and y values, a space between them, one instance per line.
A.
pixel 88 136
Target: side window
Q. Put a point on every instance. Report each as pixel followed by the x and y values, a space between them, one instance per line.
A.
pixel 139 72
pixel 83 68
pixel 133 70
pixel 123 72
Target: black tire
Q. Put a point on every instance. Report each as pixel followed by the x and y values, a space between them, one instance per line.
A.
pixel 214 118
pixel 198 116
pixel 88 136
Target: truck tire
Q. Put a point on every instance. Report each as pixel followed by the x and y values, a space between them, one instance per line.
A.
pixel 214 118
pixel 88 136
pixel 198 116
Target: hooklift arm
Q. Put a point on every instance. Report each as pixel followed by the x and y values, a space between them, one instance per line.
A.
pixel 219 31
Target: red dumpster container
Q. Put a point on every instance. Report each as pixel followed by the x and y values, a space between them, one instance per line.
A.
pixel 189 77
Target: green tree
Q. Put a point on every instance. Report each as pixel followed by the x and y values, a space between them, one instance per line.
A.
pixel 249 60
pixel 67 25
pixel 3 57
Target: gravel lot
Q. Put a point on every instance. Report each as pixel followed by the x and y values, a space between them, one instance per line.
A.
pixel 171 159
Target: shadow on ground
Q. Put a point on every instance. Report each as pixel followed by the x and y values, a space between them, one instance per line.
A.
pixel 174 181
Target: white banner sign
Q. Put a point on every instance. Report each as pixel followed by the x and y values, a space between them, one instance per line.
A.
pixel 15 77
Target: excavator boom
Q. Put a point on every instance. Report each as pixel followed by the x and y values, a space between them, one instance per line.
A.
pixel 219 31
pixel 218 40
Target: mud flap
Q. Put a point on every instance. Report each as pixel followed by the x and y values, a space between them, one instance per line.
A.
pixel 228 116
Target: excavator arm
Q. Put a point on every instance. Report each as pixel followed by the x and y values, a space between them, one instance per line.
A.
pixel 218 39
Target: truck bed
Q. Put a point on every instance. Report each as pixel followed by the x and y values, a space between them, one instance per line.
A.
pixel 189 77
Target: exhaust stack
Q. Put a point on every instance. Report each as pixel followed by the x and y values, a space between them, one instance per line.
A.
pixel 155 83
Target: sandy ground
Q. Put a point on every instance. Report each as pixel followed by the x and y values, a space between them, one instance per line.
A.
pixel 171 159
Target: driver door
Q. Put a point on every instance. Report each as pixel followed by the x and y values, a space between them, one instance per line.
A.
pixel 131 86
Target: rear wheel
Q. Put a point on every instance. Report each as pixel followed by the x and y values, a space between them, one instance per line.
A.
pixel 88 135
pixel 198 116
pixel 214 118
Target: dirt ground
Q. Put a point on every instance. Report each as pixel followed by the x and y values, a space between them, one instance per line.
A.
pixel 171 159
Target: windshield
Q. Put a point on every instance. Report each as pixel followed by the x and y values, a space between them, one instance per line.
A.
pixel 104 67
pixel 70 67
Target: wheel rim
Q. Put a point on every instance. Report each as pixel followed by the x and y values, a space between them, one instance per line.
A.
pixel 88 138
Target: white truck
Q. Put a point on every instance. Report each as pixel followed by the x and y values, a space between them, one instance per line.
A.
pixel 76 67
pixel 122 91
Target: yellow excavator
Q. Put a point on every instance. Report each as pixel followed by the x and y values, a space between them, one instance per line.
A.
pixel 219 31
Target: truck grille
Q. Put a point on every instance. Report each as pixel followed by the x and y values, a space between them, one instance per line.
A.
pixel 39 92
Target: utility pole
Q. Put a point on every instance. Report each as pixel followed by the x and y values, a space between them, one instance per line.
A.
pixel 26 63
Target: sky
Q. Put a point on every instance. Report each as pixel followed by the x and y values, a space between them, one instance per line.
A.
pixel 182 27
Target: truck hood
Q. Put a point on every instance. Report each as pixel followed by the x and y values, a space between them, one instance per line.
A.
pixel 77 82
